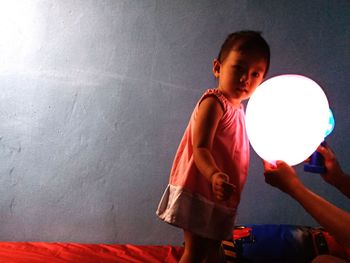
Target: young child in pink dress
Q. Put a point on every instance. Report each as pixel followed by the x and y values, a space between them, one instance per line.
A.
pixel 211 163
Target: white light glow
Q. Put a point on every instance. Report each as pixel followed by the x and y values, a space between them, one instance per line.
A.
pixel 18 27
pixel 287 118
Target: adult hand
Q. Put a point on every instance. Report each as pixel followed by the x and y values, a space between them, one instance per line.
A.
pixel 281 176
pixel 222 189
pixel 334 172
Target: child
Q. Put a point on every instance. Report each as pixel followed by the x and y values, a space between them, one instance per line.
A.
pixel 211 163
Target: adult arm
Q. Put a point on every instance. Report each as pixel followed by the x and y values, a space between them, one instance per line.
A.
pixel 333 219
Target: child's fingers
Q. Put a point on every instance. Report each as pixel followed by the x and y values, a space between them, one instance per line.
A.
pixel 219 196
pixel 227 187
pixel 224 191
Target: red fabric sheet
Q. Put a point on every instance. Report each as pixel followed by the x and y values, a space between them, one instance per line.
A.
pixel 35 252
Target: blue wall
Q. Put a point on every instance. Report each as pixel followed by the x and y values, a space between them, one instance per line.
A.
pixel 95 96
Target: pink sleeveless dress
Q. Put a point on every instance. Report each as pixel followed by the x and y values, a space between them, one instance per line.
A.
pixel 188 201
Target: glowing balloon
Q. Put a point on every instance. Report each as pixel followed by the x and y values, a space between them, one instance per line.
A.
pixel 287 118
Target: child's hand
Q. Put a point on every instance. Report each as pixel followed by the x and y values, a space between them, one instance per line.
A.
pixel 222 189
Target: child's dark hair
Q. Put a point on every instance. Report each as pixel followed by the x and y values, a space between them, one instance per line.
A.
pixel 246 40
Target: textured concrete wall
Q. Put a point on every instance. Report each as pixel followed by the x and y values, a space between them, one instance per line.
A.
pixel 95 95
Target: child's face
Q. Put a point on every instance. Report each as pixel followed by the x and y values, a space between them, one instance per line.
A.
pixel 240 74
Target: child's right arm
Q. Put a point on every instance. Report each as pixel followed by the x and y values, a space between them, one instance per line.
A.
pixel 209 114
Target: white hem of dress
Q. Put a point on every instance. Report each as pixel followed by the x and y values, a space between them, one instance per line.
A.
pixel 195 213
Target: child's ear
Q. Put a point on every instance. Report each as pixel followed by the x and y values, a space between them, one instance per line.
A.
pixel 216 68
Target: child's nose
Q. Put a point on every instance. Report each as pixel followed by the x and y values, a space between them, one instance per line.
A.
pixel 244 77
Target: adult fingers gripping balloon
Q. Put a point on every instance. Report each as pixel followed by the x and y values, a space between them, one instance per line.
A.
pixel 281 176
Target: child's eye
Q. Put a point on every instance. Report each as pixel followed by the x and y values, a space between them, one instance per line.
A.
pixel 256 74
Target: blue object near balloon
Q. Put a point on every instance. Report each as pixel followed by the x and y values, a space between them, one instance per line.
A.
pixel 316 162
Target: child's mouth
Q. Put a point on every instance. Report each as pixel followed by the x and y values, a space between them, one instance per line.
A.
pixel 242 89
